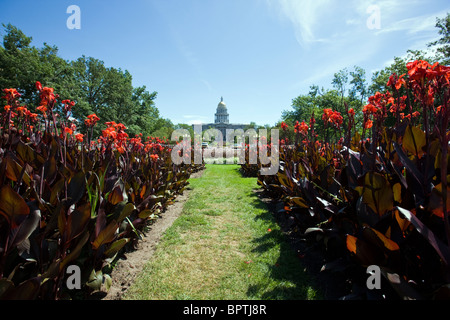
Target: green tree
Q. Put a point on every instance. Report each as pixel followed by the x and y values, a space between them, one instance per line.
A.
pixel 304 106
pixel 443 49
pixel 163 128
pixel 251 125
pixel 339 82
pixel 22 65
pixel 359 85
pixel 107 92
pixel 89 74
pixel 340 98
pixel 398 66
pixel 144 102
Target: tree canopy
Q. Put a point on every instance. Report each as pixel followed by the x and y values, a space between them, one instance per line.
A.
pixel 106 91
pixel 350 88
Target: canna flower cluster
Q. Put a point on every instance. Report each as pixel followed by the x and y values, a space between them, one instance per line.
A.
pixel 11 95
pixel 332 117
pixel 91 120
pixel 375 109
pixel 113 137
pixel 378 191
pixel 83 197
pixel 301 128
pixel 15 113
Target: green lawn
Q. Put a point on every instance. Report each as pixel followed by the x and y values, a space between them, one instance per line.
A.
pixel 225 245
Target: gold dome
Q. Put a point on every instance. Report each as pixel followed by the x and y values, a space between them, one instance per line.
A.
pixel 221 112
pixel 221 107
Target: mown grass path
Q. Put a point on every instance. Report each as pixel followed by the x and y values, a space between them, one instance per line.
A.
pixel 225 245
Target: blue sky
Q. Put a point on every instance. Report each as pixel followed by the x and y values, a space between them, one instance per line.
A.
pixel 257 54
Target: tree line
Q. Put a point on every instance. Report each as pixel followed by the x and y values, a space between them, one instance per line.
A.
pixel 350 88
pixel 106 91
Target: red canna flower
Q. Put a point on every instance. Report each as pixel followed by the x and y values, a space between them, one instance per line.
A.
pixel 154 157
pixel 11 94
pixel 22 110
pixel 32 116
pixel 332 117
pixel 417 70
pixel 68 105
pixel 38 86
pixel 91 120
pixel 336 119
pixel 396 82
pixel 415 114
pixel 368 124
pixel 370 109
pixel 67 130
pixel 43 109
pixel 120 126
pixel 326 115
pixel 301 128
pixel 109 132
pixel 47 96
pixel 403 116
pixel 79 137
pixel 120 148
pixel 284 126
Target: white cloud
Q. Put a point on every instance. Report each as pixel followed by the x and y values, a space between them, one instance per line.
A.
pixel 412 25
pixel 399 15
pixel 194 119
pixel 352 22
pixel 349 41
pixel 304 15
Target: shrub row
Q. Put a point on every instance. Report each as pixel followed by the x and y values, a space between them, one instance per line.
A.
pixel 379 195
pixel 67 198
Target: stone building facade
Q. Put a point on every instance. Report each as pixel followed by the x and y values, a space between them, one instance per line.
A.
pixel 222 121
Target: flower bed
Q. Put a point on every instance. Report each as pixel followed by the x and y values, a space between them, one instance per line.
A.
pixel 377 195
pixel 69 199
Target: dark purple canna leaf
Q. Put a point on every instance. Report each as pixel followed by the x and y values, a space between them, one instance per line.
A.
pixel 442 250
pixel 77 188
pixel 27 290
pixel 12 206
pixel 26 228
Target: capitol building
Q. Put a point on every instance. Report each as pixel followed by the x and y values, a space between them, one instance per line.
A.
pixel 222 121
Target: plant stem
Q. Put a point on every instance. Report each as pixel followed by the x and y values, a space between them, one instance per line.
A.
pixel 444 152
